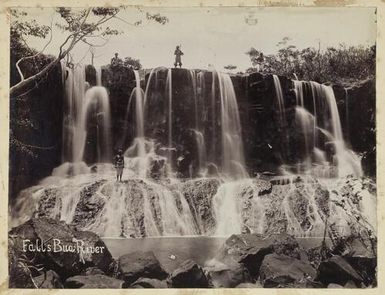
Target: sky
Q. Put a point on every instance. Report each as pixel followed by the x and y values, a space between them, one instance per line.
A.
pixel 218 36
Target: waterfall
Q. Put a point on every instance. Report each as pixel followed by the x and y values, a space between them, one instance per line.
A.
pixel 198 84
pixel 325 119
pixel 227 209
pixel 75 86
pixel 98 76
pixel 306 121
pixel 169 119
pixel 138 148
pixel 96 102
pixel 280 101
pixel 233 163
pixel 347 113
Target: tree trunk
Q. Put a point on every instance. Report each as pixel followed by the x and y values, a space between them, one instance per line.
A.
pixel 27 84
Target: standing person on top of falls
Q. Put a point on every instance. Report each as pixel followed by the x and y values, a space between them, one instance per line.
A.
pixel 178 60
pixel 119 165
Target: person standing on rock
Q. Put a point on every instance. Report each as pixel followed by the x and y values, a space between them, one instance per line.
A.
pixel 119 165
pixel 178 57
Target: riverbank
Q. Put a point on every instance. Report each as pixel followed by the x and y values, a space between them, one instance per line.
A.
pixel 245 260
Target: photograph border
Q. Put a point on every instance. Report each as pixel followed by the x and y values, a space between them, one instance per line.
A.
pixel 4 134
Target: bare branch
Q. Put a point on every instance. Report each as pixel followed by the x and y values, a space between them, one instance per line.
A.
pixel 35 55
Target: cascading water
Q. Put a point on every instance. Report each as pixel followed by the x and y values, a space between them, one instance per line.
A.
pixel 142 155
pixel 325 120
pixel 233 162
pixel 169 119
pixel 228 203
pixel 280 101
pixel 98 76
pixel 95 101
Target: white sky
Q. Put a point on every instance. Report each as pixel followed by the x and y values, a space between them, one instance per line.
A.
pixel 220 36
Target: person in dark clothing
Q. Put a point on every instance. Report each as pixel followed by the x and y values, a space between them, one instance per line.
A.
pixel 119 165
pixel 178 60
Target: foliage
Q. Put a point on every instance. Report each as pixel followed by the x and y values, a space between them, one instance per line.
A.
pixel 29 67
pixel 88 26
pixel 132 63
pixel 330 65
pixel 230 67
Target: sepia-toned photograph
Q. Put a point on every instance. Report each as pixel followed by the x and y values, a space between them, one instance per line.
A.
pixel 192 147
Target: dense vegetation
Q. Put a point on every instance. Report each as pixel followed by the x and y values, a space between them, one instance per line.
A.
pixel 340 64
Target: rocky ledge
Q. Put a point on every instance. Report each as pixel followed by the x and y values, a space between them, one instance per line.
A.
pixel 244 261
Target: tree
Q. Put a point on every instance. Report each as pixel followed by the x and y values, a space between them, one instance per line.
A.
pixel 230 67
pixel 82 26
pixel 330 65
pixel 132 63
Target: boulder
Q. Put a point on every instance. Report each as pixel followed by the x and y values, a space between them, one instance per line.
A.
pixel 334 286
pixel 246 249
pixel 48 280
pixel 92 271
pixel 249 285
pixel 282 271
pixel 149 283
pixel 188 275
pixel 137 265
pixel 285 244
pixel 93 282
pixel 59 247
pixel 224 276
pixel 337 270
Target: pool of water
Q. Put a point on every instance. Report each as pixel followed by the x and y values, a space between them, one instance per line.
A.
pixel 172 251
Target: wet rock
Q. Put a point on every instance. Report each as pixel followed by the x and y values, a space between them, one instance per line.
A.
pixel 282 271
pixel 137 265
pixel 285 244
pixel 49 235
pixel 149 283
pixel 334 286
pixel 89 206
pixel 188 275
pixel 350 285
pixel 337 270
pixel 229 276
pixel 97 281
pixel 249 285
pixel 199 194
pixel 246 249
pixel 359 252
pixel 92 271
pixel 48 280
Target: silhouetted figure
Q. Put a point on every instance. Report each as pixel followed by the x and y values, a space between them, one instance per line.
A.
pixel 116 61
pixel 178 60
pixel 119 165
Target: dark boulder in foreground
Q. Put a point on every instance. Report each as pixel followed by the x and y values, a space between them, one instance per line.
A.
pixel 284 271
pixel 149 283
pixel 246 249
pixel 188 275
pixel 338 271
pixel 228 276
pixel 54 245
pixel 93 282
pixel 48 280
pixel 139 265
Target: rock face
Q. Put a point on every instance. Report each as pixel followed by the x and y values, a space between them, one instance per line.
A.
pixel 58 247
pixel 283 271
pixel 188 275
pixel 139 265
